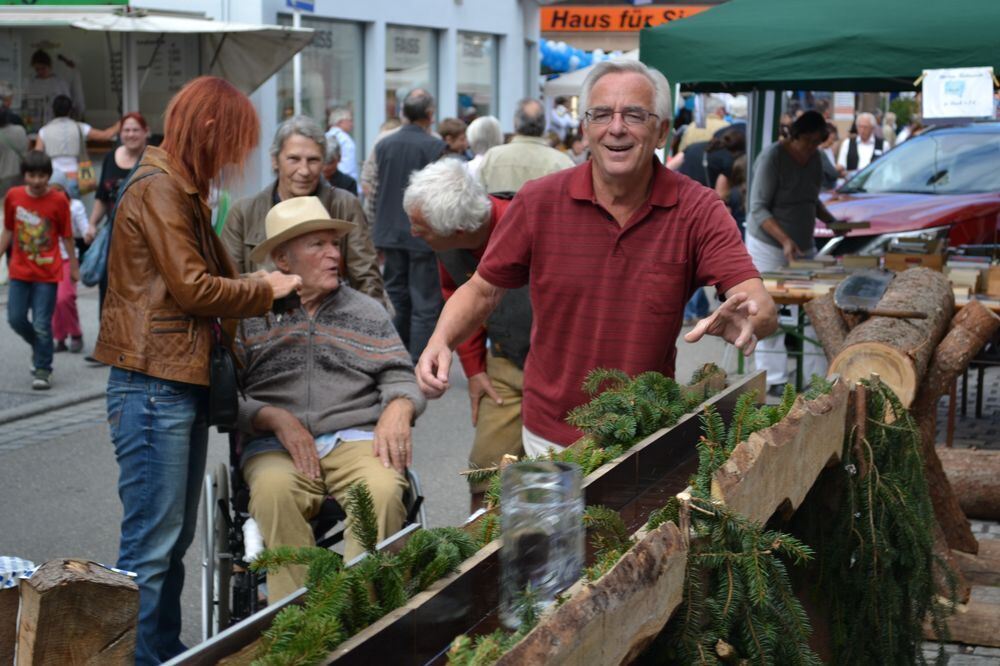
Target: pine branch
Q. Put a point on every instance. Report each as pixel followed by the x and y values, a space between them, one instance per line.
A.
pixel 361 509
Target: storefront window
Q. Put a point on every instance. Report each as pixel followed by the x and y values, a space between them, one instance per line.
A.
pixel 477 75
pixel 410 62
pixel 332 72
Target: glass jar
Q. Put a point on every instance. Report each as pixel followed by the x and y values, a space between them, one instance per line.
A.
pixel 541 516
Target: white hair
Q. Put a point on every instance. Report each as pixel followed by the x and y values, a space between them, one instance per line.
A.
pixel 868 116
pixel 338 114
pixel 661 87
pixel 484 133
pixel 448 197
pixel 714 105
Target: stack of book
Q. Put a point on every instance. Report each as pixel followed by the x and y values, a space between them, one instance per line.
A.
pixel 966 274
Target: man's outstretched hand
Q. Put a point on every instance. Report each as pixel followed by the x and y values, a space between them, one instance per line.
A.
pixel 731 322
pixel 432 369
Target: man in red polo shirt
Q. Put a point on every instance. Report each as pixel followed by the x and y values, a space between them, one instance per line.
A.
pixel 611 251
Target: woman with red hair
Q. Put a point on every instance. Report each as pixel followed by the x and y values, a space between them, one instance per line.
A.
pixel 169 279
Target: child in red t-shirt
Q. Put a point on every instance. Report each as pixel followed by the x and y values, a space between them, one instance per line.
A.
pixel 36 219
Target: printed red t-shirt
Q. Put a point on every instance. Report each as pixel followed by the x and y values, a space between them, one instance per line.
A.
pixel 603 295
pixel 37 226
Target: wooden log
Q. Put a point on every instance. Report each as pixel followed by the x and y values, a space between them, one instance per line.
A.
pixel 971 328
pixel 77 612
pixel 946 558
pixel 781 463
pixel 899 350
pixel 982 568
pixel 975 477
pixel 974 623
pixel 612 620
pixel 830 327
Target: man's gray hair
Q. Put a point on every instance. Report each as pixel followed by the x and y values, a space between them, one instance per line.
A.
pixel 661 87
pixel 338 114
pixel 332 151
pixel 448 197
pixel 714 105
pixel 529 119
pixel 870 117
pixel 301 125
pixel 417 105
pixel 484 133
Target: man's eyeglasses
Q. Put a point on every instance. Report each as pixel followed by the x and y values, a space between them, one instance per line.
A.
pixel 602 115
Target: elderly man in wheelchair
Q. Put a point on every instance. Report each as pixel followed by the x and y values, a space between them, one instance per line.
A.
pixel 330 393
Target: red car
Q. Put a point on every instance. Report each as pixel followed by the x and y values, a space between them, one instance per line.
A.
pixel 944 183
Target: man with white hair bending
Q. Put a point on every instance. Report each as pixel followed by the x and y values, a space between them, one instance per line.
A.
pixel 862 150
pixel 452 213
pixel 611 250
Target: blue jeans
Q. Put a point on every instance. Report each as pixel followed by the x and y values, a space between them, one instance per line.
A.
pixel 40 298
pixel 160 433
pixel 697 307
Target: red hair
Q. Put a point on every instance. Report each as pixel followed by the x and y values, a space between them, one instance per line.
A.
pixel 137 117
pixel 209 125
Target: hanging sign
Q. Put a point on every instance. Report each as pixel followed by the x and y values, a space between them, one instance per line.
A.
pixel 965 92
pixel 613 18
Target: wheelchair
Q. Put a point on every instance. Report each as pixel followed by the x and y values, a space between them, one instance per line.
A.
pixel 230 590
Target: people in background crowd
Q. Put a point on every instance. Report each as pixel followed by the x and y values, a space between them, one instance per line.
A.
pixel 341 124
pixel 13 148
pixel 784 205
pixel 66 331
pixel 858 152
pixel 528 156
pixel 44 87
pixel 715 119
pixel 63 139
pixel 36 225
pixel 561 120
pixel 411 277
pixel 335 176
pixel 453 131
pixel 483 133
pixel 169 279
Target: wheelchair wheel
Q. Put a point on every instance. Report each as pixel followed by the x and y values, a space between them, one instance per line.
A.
pixel 217 562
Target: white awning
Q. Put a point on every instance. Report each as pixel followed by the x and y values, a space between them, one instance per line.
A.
pixel 569 84
pixel 245 55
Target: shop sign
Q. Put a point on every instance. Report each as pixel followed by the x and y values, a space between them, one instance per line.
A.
pixel 613 18
pixel 301 5
pixel 964 92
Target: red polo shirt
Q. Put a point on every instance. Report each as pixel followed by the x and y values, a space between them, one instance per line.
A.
pixel 604 295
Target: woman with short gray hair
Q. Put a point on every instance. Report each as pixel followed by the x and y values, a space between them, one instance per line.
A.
pixel 301 125
pixel 483 133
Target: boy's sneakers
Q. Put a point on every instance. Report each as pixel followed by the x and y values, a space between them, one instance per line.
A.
pixel 76 345
pixel 42 382
pixel 60 346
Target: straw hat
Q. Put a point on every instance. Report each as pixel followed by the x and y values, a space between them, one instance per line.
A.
pixel 292 218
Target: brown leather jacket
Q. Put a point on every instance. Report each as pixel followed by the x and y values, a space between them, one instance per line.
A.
pixel 168 277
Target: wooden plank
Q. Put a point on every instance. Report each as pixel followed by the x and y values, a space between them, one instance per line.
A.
pixel 974 623
pixel 611 620
pixel 783 462
pixel 637 482
pixel 8 624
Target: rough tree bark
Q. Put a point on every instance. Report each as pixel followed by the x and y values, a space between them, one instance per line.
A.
pixel 899 350
pixel 830 327
pixel 975 477
pixel 970 330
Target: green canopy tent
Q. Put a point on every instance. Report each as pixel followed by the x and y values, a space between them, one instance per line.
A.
pixel 859 45
pixel 855 45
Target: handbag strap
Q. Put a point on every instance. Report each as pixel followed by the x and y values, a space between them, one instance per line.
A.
pixel 82 153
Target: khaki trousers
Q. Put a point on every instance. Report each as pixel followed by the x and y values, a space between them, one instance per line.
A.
pixel 498 431
pixel 282 501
